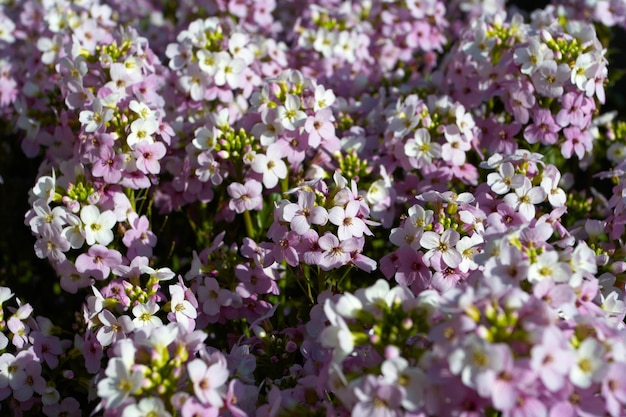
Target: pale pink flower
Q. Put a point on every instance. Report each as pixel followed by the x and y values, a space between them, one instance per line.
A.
pixel 442 246
pixel 208 381
pixel 349 224
pixel 245 197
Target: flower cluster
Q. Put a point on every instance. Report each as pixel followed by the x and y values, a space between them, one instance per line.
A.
pixel 542 77
pixel 32 360
pixel 265 208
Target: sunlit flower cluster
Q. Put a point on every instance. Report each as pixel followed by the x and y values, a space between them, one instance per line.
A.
pixel 365 209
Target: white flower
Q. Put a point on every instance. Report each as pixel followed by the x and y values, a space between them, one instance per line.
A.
pixel 464 121
pixel 205 138
pixel 478 362
pixel 113 327
pixel 93 120
pixel 547 265
pixel 152 407
pixel 50 48
pixel 324 42
pixel 270 165
pixel 45 187
pixel 184 311
pixel 336 336
pixel 345 46
pixel 580 70
pixel 323 98
pixel 502 181
pixel 589 363
pixel 141 109
pixel 237 43
pixel 443 244
pixel 290 115
pixel 412 380
pixel 97 226
pixel 141 129
pixel 228 70
pixel 421 148
pixel 532 56
pixel 161 274
pixel 524 199
pixel 73 231
pixel 120 382
pixel 144 315
pixel 6 29
pixel 467 247
pixel 207 61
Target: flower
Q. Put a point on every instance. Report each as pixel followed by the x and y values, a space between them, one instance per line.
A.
pixel 147 156
pixel 96 225
pixel 551 359
pixel 305 213
pixel 183 310
pixel 502 181
pixel 270 165
pixel 589 363
pixel 151 406
pixel 113 327
pixel 531 56
pixel 442 246
pixel 98 261
pixel 142 130
pixel 208 381
pixel 349 224
pixel 245 197
pixel 550 78
pixel 121 380
pixel 335 252
pixel 378 399
pixel 421 148
pixel 94 120
pixel 290 115
pixel 144 315
pixel 524 199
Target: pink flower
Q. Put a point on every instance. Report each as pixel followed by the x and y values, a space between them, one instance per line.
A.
pixel 320 126
pixel 576 140
pixel 305 213
pixel 349 224
pixel 148 156
pixel 284 246
pixel 442 247
pixel 551 360
pixel 208 381
pixel 98 261
pixel 109 165
pixel 544 129
pixel 550 77
pixel 614 388
pixel 139 239
pixel 245 197
pixel 335 253
pixel 576 110
pixel 113 328
pixel 378 399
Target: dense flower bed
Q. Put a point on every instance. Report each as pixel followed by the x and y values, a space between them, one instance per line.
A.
pixel 332 208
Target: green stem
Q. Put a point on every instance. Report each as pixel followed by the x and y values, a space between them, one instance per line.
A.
pixel 321 281
pixel 248 220
pixel 284 185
